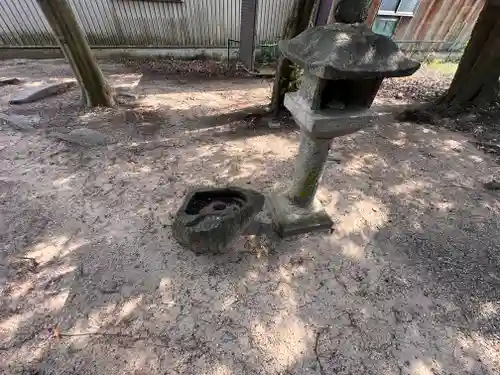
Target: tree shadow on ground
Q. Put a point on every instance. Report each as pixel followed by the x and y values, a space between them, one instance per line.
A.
pixel 406 284
pixel 157 109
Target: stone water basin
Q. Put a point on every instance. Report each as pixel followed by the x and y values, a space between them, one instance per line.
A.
pixel 209 219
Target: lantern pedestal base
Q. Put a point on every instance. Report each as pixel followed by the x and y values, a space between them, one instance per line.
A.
pixel 290 220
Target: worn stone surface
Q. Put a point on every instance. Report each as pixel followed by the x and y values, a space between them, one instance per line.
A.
pixel 211 218
pixel 84 137
pixel 331 123
pixel 297 210
pixel 273 124
pixel 309 166
pixel 20 122
pixel 33 94
pixel 347 51
pixel 9 81
pixel 290 219
pixel 311 89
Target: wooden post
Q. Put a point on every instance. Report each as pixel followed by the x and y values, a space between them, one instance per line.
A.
pixel 74 44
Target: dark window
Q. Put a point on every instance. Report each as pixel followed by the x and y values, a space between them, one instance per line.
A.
pixel 390 12
pixel 385 25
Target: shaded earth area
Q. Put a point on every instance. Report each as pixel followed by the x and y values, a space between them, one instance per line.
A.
pixel 431 82
pixel 92 282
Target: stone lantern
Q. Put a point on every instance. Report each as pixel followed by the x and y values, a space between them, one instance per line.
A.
pixel 344 66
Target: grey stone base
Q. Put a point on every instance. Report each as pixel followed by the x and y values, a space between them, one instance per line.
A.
pixel 331 123
pixel 290 220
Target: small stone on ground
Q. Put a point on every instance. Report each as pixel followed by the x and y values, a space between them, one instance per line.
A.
pixel 274 124
pixel 32 94
pixel 20 122
pixel 9 81
pixel 84 137
pixel 492 185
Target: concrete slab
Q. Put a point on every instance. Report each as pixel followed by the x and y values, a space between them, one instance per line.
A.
pixel 45 90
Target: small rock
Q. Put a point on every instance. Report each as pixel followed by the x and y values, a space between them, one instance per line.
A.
pixel 227 337
pixel 85 137
pixel 418 116
pixel 468 118
pixel 33 94
pixel 20 122
pixel 147 127
pixel 120 92
pixel 60 129
pixel 492 185
pixel 401 315
pixel 125 97
pixel 336 157
pixel 9 81
pixel 274 124
pixel 109 287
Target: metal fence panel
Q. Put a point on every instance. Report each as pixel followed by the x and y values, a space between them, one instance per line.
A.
pixel 211 23
pixel 247 37
pixel 145 24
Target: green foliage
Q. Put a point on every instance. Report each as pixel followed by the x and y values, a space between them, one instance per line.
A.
pixel 442 66
pixel 267 53
pixel 295 77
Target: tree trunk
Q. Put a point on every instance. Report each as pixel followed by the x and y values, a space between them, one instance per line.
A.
pixel 476 79
pixel 298 22
pixel 72 40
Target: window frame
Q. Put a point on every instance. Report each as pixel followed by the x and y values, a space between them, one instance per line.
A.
pixel 387 18
pixel 397 12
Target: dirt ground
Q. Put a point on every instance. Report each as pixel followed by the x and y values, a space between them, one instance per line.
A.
pixel 92 282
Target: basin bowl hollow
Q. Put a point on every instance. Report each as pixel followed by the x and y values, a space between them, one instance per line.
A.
pixel 209 219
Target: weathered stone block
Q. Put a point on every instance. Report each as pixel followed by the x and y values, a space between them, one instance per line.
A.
pixel 309 166
pixel 311 90
pixel 33 94
pixel 331 123
pixel 85 137
pixel 20 122
pixel 210 218
pixel 340 51
pixel 9 81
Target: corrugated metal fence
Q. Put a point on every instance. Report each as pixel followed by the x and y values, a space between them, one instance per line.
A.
pixel 144 24
pixel 438 25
